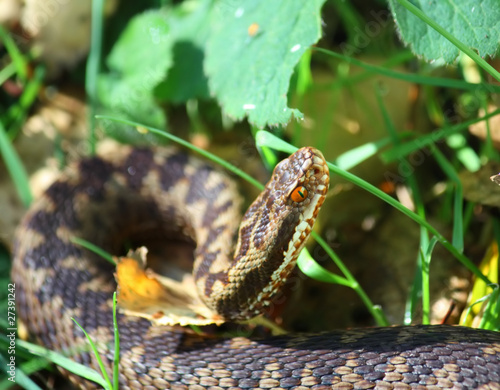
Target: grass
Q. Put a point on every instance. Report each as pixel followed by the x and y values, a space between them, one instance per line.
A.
pixel 15 168
pixel 104 380
pixel 93 68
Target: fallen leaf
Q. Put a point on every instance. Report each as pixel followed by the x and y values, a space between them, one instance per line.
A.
pixel 162 300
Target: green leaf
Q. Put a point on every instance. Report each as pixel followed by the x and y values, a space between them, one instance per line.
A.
pixel 138 62
pixel 143 50
pixel 189 29
pixel 476 23
pixel 252 51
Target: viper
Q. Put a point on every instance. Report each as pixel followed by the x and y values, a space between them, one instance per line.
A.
pixel 166 200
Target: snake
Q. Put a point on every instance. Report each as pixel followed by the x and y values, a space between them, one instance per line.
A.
pixel 166 197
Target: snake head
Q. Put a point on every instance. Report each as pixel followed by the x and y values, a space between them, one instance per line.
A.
pixel 300 179
pixel 295 194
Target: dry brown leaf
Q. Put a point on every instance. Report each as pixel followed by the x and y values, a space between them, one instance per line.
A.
pixel 162 300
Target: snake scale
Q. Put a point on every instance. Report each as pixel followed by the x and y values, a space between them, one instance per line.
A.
pixel 143 197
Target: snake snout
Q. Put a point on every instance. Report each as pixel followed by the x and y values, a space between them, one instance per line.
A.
pixel 316 171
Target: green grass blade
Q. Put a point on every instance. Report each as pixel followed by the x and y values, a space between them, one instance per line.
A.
pixel 352 79
pixel 65 362
pixel 469 309
pixel 496 231
pixel 489 149
pixel 17 113
pixel 93 248
pixel 414 78
pixel 491 315
pixel 116 363
pixel 311 268
pixel 18 59
pixel 429 139
pixel 356 156
pixel 7 72
pixel 304 77
pixel 346 161
pixel 426 262
pixel 460 45
pixel 25 369
pixel 415 217
pixel 182 142
pixel 377 314
pixel 458 218
pixel 105 375
pixel 267 155
pixel 265 138
pixel 93 64
pixel 15 168
pixel 416 286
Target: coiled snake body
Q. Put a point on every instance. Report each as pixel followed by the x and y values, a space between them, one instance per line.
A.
pixel 141 197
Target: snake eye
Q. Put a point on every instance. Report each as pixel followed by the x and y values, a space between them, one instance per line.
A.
pixel 299 194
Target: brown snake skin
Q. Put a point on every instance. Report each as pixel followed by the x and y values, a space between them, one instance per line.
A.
pixel 134 198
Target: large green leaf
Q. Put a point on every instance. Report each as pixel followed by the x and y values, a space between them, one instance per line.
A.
pixel 473 22
pixel 252 50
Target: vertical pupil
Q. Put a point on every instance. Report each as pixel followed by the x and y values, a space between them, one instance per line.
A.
pixel 299 194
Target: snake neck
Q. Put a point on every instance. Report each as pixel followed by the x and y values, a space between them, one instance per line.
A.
pixel 273 231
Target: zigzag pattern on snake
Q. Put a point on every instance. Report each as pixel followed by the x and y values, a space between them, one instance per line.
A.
pixel 140 197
